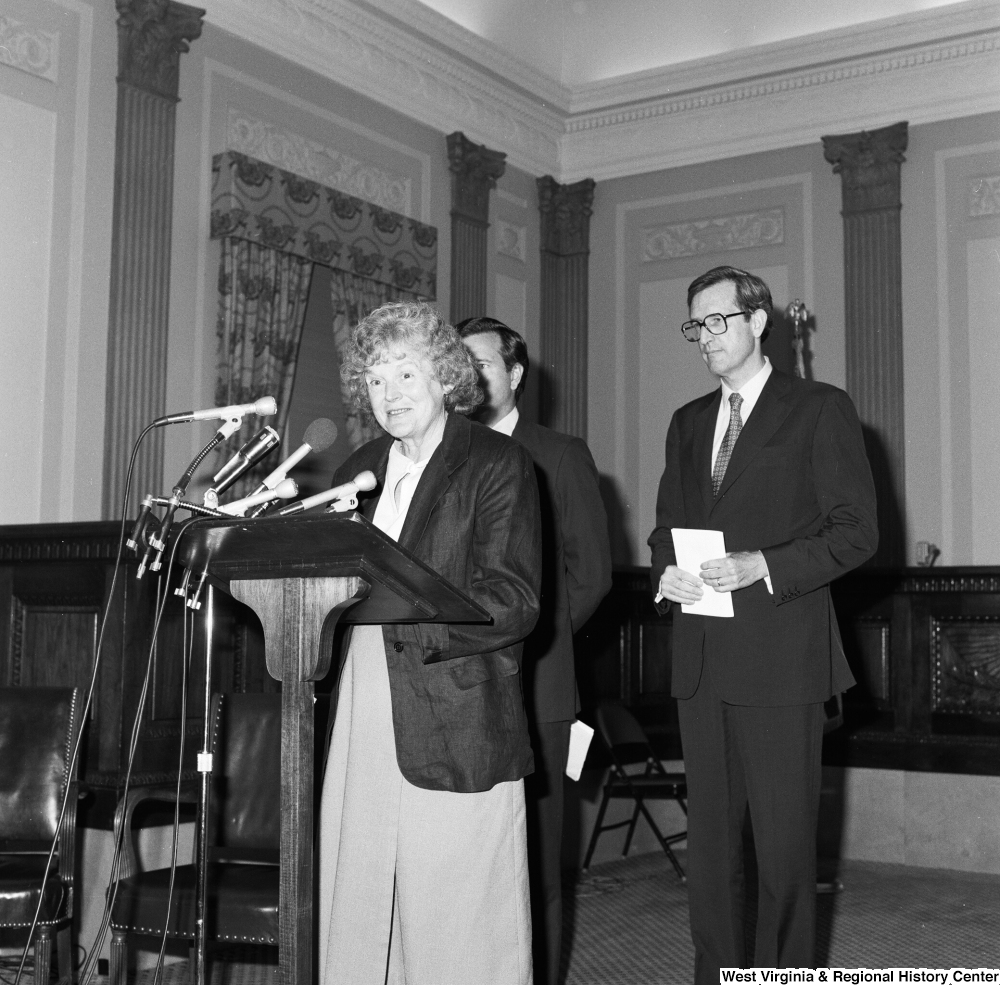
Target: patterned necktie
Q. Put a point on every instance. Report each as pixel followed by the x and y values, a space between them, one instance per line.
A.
pixel 726 448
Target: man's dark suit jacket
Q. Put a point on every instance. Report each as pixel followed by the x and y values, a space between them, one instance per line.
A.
pixel 457 709
pixel 799 488
pixel 576 566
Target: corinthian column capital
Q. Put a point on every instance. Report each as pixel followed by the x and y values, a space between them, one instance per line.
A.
pixel 152 36
pixel 869 166
pixel 565 215
pixel 476 170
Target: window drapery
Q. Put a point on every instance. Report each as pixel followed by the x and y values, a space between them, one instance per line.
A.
pixel 275 225
pixel 262 307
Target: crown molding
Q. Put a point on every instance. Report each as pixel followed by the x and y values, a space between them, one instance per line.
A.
pixel 923 67
pixel 363 50
pixel 825 49
pixel 920 83
pixel 476 51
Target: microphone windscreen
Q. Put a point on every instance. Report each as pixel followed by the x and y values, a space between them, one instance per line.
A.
pixel 320 434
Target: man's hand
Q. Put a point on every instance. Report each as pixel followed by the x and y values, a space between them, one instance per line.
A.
pixel 734 571
pixel 680 586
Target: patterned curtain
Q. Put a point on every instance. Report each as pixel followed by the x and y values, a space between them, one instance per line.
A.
pixel 352 298
pixel 262 307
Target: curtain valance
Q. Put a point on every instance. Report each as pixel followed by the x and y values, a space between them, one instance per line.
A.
pixel 261 203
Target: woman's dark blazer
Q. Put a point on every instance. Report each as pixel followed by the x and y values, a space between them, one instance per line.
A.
pixel 457 707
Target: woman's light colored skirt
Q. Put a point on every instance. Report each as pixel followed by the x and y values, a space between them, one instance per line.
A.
pixel 422 887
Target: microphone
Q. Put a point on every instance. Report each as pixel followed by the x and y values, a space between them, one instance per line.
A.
pixel 249 455
pixel 318 437
pixel 264 407
pixel 133 542
pixel 286 489
pixel 362 482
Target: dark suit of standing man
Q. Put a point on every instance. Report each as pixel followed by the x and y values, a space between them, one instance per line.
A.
pixel 796 504
pixel 576 575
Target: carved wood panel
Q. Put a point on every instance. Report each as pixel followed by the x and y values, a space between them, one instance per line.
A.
pixel 869 659
pixel 52 645
pixel 966 654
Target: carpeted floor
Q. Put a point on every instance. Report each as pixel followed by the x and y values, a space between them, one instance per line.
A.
pixel 627 925
pixel 630 926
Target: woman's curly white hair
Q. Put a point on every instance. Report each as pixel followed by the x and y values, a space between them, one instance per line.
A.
pixel 417 327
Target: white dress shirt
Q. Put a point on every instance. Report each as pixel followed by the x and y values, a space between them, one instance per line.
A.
pixel 507 424
pixel 401 478
pixel 750 392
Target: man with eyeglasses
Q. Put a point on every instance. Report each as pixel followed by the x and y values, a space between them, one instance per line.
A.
pixel 778 465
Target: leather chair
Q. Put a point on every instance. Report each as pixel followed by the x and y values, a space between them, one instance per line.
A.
pixel 242 902
pixel 629 745
pixel 39 727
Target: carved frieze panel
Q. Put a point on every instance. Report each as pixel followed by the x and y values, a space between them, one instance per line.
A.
pixel 984 196
pixel 715 235
pixel 293 152
pixel 511 240
pixel 29 49
pixel 966 655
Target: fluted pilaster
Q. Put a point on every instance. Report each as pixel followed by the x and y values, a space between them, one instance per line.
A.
pixel 475 170
pixel 565 212
pixel 869 165
pixel 152 34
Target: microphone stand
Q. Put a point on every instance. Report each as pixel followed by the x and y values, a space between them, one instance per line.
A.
pixel 158 541
pixel 205 766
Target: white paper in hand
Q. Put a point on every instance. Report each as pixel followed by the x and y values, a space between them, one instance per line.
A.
pixel 692 548
pixel 580 734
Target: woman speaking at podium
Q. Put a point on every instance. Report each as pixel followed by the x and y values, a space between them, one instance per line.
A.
pixel 423 870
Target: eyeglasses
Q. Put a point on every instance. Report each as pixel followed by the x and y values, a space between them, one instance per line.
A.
pixel 716 324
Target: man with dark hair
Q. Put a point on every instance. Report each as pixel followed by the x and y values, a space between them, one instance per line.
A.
pixel 778 465
pixel 576 575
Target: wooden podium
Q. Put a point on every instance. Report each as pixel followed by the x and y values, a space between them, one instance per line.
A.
pixel 303 575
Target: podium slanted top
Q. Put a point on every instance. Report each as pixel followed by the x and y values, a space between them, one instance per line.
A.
pixel 328 545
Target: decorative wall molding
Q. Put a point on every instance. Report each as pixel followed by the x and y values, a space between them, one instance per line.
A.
pixel 29 49
pixel 931 65
pixel 76 543
pixel 293 152
pixel 943 581
pixel 511 240
pixel 715 235
pixel 933 80
pixel 984 196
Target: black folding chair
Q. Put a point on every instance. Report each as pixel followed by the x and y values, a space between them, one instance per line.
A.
pixel 628 745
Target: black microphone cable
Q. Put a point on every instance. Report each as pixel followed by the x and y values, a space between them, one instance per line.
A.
pixel 85 714
pixel 90 965
pixel 187 652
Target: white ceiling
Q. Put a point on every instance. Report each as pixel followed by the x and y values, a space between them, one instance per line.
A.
pixel 575 42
